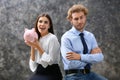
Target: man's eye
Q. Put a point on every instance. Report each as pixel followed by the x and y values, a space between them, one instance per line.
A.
pixel 76 19
pixel 81 17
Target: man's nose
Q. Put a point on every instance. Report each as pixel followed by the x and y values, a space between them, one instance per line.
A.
pixel 79 20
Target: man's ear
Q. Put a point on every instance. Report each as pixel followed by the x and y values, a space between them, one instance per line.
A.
pixel 70 20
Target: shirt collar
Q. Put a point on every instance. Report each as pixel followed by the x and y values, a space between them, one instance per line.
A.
pixel 75 31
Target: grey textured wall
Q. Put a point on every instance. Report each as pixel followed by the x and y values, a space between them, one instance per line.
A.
pixel 15 15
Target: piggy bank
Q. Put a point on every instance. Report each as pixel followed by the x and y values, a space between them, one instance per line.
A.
pixel 30 35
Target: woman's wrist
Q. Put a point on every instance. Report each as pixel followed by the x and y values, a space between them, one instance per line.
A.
pixel 40 50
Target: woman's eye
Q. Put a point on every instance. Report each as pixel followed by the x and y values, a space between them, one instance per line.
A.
pixel 40 21
pixel 46 22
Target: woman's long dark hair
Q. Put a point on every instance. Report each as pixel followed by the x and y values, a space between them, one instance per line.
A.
pixel 51 24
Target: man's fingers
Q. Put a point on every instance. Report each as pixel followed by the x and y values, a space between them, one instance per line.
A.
pixel 69 56
pixel 96 50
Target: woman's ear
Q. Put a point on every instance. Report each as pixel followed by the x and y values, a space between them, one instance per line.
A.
pixel 48 27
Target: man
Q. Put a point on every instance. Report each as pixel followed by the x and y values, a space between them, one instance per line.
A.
pixel 79 48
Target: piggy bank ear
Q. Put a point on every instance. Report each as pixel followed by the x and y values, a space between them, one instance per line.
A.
pixel 26 29
pixel 33 29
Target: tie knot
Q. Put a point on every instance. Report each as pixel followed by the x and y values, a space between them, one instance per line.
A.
pixel 81 34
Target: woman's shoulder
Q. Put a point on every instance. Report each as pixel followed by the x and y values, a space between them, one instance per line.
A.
pixel 52 36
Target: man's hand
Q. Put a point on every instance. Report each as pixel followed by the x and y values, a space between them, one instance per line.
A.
pixel 96 50
pixel 73 56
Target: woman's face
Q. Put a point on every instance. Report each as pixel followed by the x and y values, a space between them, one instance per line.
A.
pixel 43 25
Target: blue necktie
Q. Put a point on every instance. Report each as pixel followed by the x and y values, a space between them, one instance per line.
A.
pixel 85 50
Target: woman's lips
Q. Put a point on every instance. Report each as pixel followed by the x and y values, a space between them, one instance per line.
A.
pixel 42 28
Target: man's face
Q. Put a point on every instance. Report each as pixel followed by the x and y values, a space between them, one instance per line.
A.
pixel 78 20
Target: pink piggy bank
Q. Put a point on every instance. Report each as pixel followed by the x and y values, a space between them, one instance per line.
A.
pixel 30 35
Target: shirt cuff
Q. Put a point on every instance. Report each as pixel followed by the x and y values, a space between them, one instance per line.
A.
pixel 83 57
pixel 33 65
pixel 32 62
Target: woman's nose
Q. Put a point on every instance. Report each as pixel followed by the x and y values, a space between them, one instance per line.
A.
pixel 42 23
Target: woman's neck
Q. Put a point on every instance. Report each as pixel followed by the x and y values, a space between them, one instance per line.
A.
pixel 43 34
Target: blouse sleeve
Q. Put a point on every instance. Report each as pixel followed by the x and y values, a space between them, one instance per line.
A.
pixel 53 52
pixel 33 65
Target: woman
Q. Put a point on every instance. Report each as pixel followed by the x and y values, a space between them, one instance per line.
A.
pixel 45 52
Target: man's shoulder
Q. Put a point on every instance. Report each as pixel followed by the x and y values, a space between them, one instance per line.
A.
pixel 88 33
pixel 67 33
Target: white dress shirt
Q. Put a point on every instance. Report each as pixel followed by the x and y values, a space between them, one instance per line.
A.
pixel 51 55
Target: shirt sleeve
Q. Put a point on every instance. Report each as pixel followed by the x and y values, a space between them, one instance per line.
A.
pixel 33 65
pixel 92 58
pixel 53 52
pixel 66 46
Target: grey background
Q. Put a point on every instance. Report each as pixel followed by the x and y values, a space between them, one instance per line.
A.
pixel 103 20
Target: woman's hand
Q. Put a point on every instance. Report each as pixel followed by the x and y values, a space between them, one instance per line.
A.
pixel 34 44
